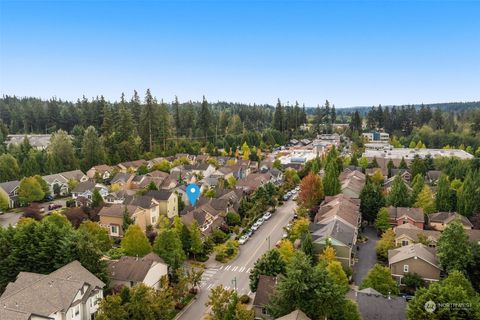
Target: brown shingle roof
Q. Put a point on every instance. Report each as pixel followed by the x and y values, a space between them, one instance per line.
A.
pixel 132 268
pixel 117 210
pixel 447 217
pixel 416 214
pixel 265 288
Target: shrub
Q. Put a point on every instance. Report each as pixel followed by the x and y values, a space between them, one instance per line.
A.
pixel 245 299
pixel 233 219
pixel 218 236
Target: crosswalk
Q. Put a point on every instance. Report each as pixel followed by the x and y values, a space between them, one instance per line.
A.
pixel 233 268
pixel 209 274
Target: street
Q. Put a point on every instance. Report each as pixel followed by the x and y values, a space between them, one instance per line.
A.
pixel 235 273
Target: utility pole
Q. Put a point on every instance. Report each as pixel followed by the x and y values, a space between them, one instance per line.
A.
pixel 268 239
pixel 234 283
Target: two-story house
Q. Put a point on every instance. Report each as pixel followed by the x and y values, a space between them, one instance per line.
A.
pixel 111 217
pixel 167 202
pixel 69 293
pixel 102 171
pixel 83 192
pixel 9 191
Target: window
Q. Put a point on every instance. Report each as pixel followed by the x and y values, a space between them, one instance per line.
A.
pixel 114 229
pixel 264 311
pixel 405 268
pixel 404 243
pixel 154 219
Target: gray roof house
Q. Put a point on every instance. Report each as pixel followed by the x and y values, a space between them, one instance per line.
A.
pixel 9 191
pixel 70 292
pixel 372 305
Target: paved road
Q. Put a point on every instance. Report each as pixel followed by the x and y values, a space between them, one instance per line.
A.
pixel 238 270
pixel 367 255
pixel 9 218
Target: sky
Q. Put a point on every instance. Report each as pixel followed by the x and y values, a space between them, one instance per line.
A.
pixel 353 53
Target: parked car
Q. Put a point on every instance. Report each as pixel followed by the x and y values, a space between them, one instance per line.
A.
pixel 294 192
pixel 295 197
pixel 53 206
pixel 260 221
pixel 267 216
pixel 249 233
pixel 255 226
pixel 243 239
pixel 48 198
pixel 42 210
pixel 285 197
pixel 284 235
pixel 297 188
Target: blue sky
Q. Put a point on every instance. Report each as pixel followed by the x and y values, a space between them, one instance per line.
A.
pixel 352 53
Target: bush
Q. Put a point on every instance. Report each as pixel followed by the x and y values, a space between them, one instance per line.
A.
pixel 233 219
pixel 218 236
pixel 245 299
pixel 220 257
pixel 115 253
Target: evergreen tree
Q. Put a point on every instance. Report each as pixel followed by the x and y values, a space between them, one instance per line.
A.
pixel 417 185
pixel 331 182
pixel 97 199
pixel 307 246
pixel 149 120
pixel 399 195
pixel 382 223
pixel 92 149
pixel 126 219
pixel 62 152
pixel 443 196
pixel 279 117
pixel 196 244
pixel 205 118
pixel 371 200
pixel 468 195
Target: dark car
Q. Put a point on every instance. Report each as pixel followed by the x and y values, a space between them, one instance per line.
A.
pixel 48 198
pixel 53 206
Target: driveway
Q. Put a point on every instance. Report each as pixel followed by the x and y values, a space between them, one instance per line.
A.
pixel 367 256
pixel 9 218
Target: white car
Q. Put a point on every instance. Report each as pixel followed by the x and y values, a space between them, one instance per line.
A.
pixel 260 221
pixel 297 188
pixel 294 192
pixel 243 239
pixel 267 216
pixel 255 226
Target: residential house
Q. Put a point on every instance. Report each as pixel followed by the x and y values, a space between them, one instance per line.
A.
pixel 432 177
pixel 372 305
pixel 69 293
pixel 123 180
pixel 440 220
pixel 265 288
pixel 129 271
pixel 111 217
pixel 407 234
pixel 167 202
pixel 207 217
pixel 202 158
pixel 9 191
pixel 352 183
pixel 102 171
pixel 131 166
pixel 199 170
pixel 416 258
pixel 402 215
pixel 151 163
pixel 295 315
pixel 404 173
pixel 74 175
pixel 387 185
pixel 57 184
pixel 277 176
pixel 83 192
pixel 116 197
pixel 149 204
pixel 339 207
pixel 254 181
pixel 340 235
pixel 223 172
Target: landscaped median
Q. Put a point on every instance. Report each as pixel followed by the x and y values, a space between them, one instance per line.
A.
pixel 226 251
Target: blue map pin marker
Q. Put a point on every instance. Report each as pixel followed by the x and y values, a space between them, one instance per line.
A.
pixel 193 192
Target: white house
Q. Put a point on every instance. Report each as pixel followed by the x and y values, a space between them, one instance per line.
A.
pixel 69 293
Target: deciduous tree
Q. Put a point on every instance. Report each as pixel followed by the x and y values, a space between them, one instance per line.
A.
pixel 135 243
pixel 311 191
